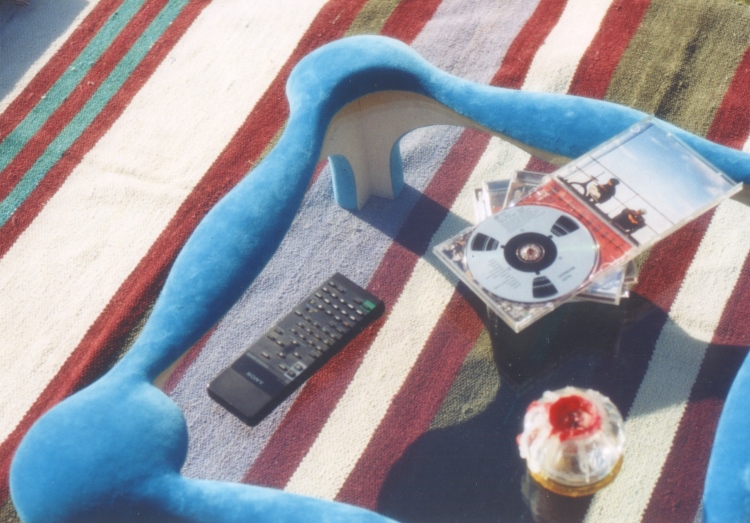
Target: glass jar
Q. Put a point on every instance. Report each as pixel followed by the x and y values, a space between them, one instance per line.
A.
pixel 572 441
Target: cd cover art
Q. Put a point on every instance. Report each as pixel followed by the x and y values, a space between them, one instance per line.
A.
pixel 610 205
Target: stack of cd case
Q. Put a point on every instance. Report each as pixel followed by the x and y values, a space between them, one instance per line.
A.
pixel 493 197
pixel 542 240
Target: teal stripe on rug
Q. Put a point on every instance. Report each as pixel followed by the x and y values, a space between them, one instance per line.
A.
pixel 29 126
pixel 93 107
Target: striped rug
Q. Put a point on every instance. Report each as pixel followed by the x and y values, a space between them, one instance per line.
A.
pixel 123 121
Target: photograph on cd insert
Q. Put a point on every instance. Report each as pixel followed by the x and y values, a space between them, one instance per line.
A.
pixel 531 254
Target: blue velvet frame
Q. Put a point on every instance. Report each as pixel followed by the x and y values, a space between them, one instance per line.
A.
pixel 113 452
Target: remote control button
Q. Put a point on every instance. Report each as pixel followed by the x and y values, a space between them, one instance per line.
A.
pixel 326 290
pixel 291 374
pixel 282 366
pixel 318 295
pixel 265 355
pixel 297 355
pixel 299 367
pixel 282 355
pixel 368 305
pixel 352 318
pixel 298 312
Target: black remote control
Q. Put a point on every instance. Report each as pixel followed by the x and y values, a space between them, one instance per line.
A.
pixel 293 349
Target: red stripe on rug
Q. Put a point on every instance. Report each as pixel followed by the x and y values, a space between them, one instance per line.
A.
pixel 731 124
pixel 538 165
pixel 97 351
pixel 522 51
pixel 678 492
pixel 409 18
pixel 734 325
pixel 72 105
pixel 661 276
pixel 56 66
pixel 299 428
pixel 595 70
pixel 418 401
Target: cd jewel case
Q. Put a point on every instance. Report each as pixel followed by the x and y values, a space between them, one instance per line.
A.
pixel 543 240
pixel 495 196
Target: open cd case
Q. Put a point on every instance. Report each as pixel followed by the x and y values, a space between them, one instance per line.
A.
pixel 543 240
pixel 497 195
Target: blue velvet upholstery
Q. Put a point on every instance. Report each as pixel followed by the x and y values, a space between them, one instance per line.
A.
pixel 727 492
pixel 113 452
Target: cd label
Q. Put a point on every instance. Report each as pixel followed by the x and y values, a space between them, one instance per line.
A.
pixel 539 253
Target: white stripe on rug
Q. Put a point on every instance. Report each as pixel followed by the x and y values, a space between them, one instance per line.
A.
pixel 324 470
pixel 557 60
pixel 661 400
pixel 117 201
pixel 24 34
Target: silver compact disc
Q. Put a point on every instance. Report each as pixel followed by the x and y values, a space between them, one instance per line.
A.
pixel 531 254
